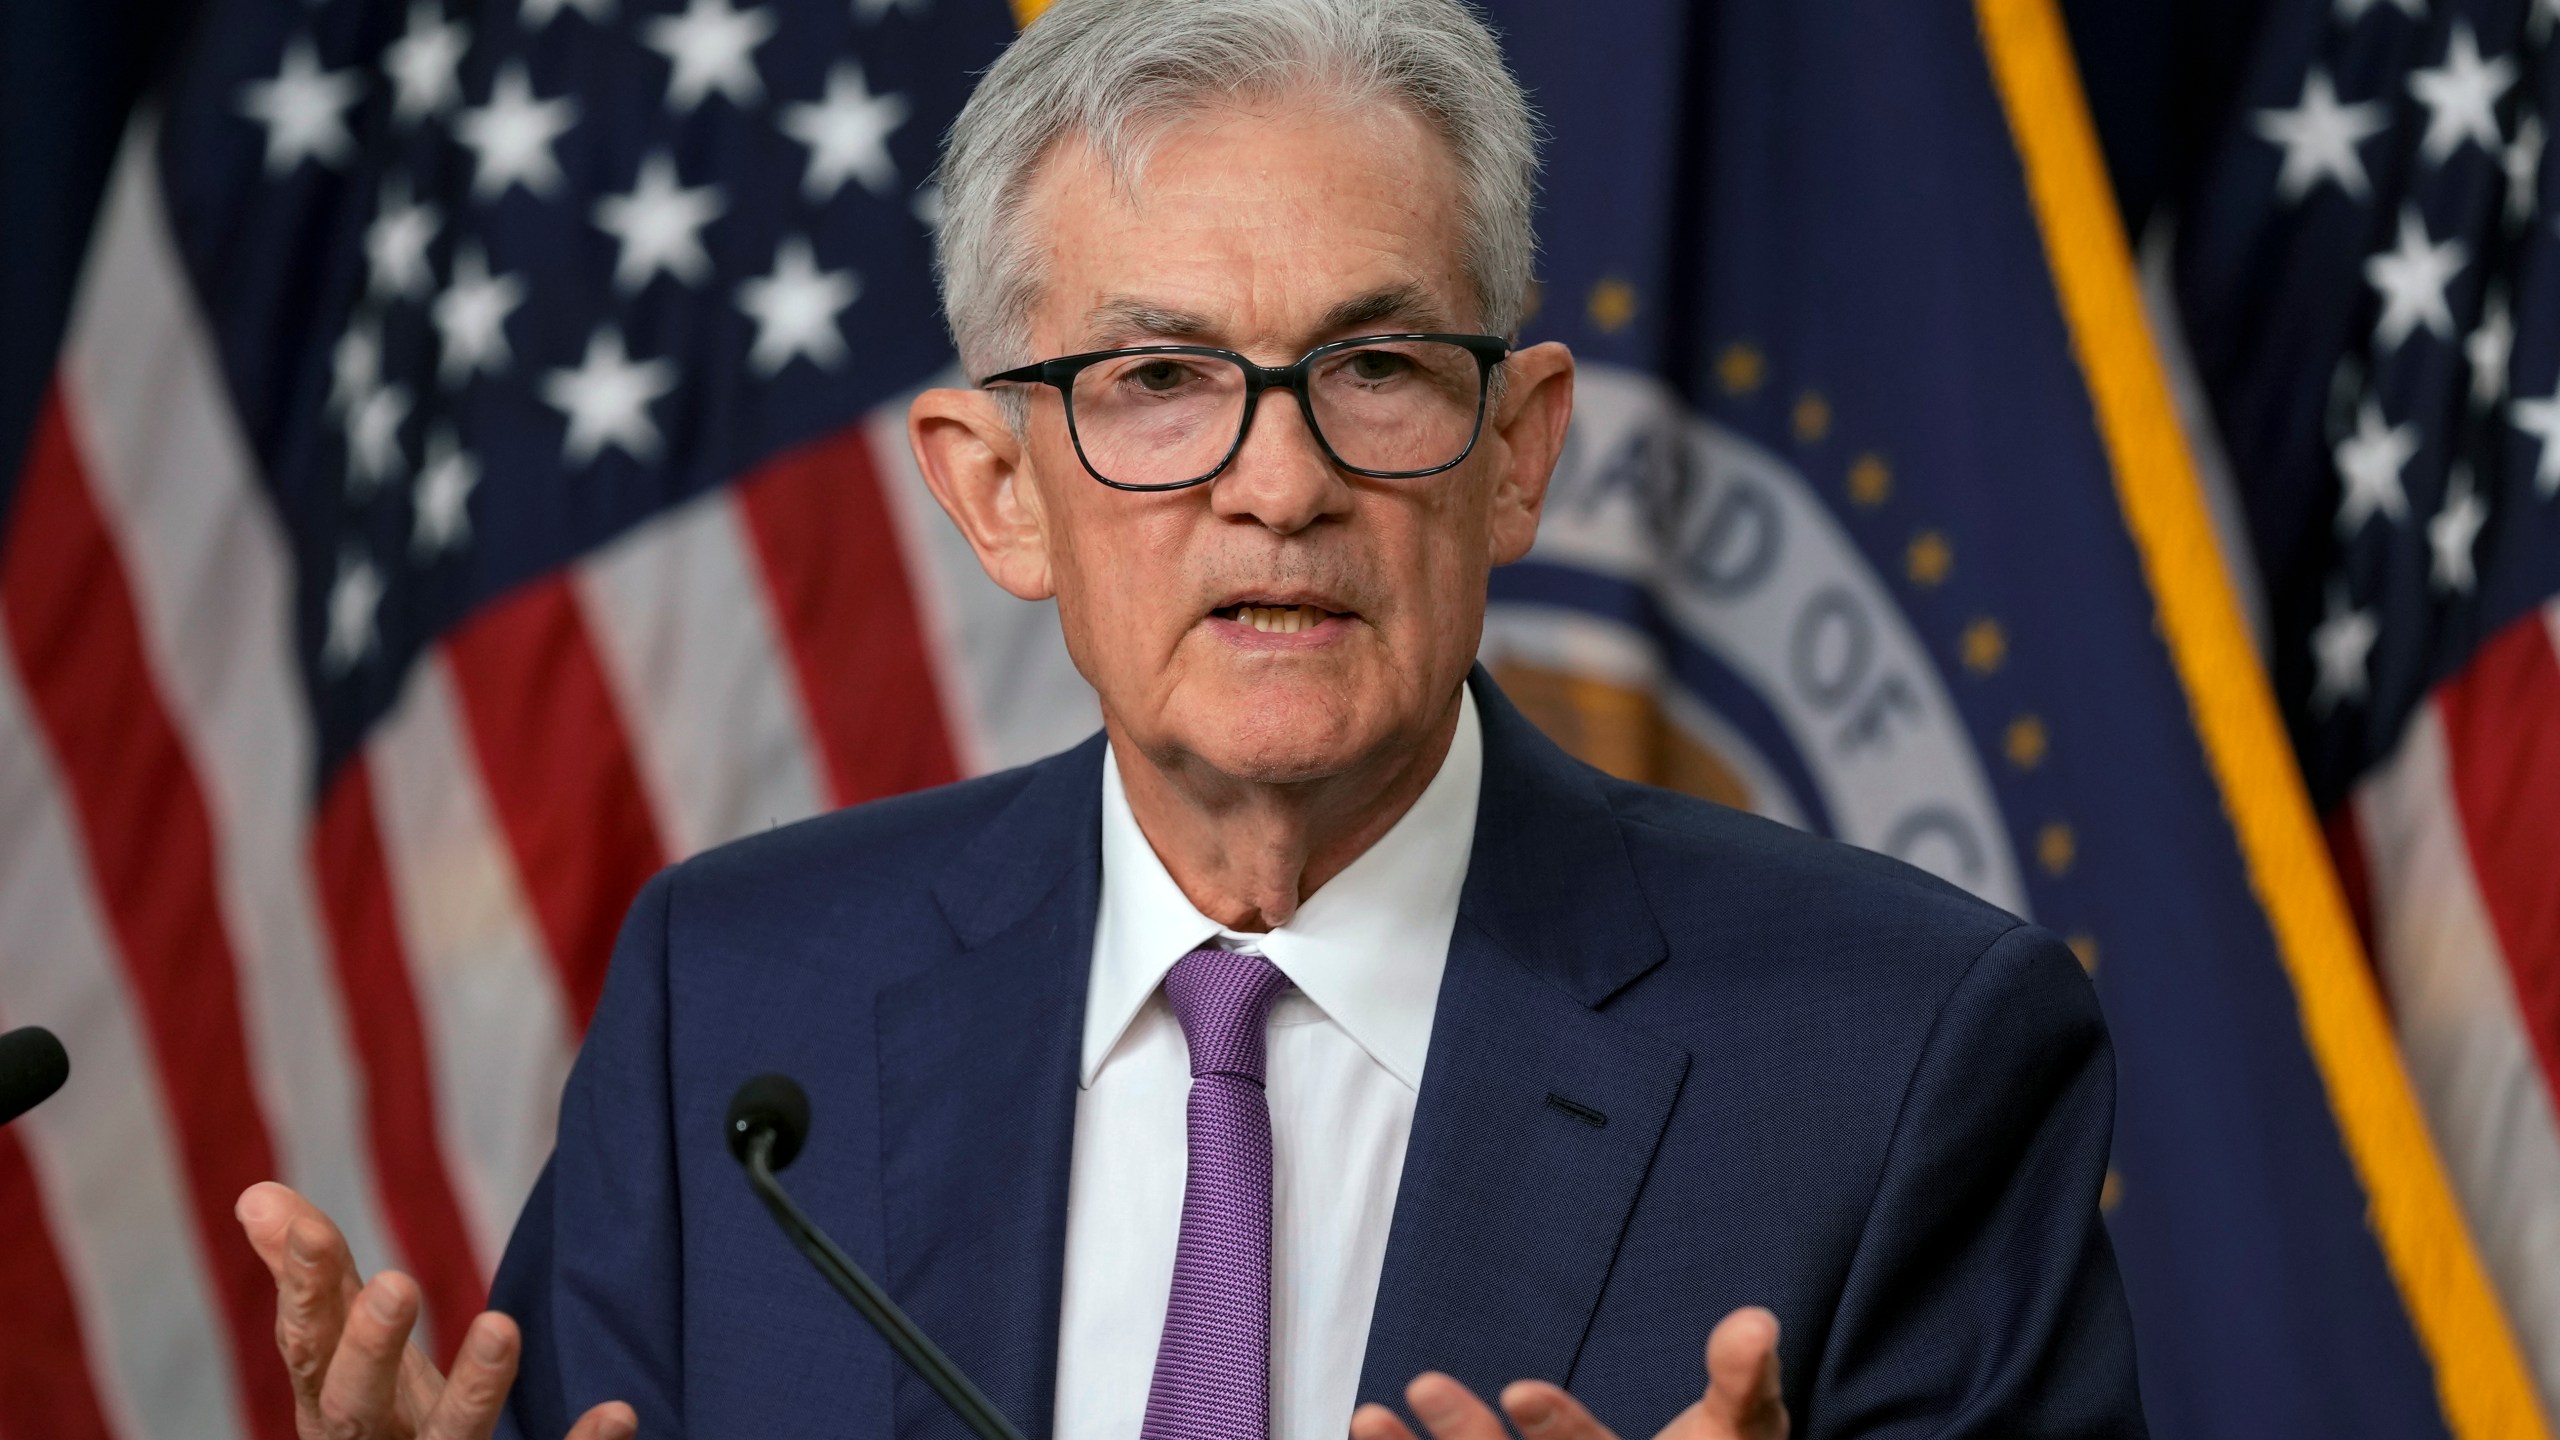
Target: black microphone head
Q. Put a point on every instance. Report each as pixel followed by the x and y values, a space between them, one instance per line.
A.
pixel 32 1067
pixel 769 1102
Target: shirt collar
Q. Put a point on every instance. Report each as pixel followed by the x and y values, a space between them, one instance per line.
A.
pixel 1367 948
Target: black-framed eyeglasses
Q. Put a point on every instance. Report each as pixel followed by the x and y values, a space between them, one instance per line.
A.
pixel 1161 417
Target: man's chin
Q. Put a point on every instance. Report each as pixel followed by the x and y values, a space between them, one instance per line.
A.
pixel 1278 728
pixel 1283 766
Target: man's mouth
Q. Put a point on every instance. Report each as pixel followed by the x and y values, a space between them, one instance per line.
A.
pixel 1276 619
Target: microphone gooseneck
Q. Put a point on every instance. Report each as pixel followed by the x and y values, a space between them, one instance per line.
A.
pixel 33 1065
pixel 768 1120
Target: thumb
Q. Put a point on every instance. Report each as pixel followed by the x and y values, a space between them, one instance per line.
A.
pixel 1743 1398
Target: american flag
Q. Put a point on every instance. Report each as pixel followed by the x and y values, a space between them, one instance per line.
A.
pixel 475 476
pixel 2370 279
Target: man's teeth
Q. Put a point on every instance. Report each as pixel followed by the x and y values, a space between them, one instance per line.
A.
pixel 1280 619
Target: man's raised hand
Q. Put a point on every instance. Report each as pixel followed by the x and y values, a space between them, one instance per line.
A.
pixel 1742 1400
pixel 346 1344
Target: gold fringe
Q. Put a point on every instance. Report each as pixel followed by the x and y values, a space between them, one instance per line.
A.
pixel 1026 11
pixel 2481 1379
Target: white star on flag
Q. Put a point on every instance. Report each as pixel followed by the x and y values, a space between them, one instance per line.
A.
pixel 395 244
pixel 445 482
pixel 2538 25
pixel 471 317
pixel 2353 10
pixel 847 134
pixel 2411 279
pixel 353 600
pixel 304 109
pixel 2369 466
pixel 2339 647
pixel 795 310
pixel 510 138
pixel 2461 97
pixel 606 400
pixel 712 48
pixel 659 223
pixel 373 439
pixel 2522 160
pixel 355 366
pixel 2320 137
pixel 424 63
pixel 2451 533
pixel 2541 420
pixel 2488 348
pixel 871 11
pixel 538 13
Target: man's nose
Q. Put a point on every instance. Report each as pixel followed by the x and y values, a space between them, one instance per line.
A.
pixel 1280 477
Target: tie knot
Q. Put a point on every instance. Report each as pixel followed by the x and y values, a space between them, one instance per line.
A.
pixel 1222 998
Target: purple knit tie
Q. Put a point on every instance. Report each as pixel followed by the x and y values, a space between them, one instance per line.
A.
pixel 1213 1369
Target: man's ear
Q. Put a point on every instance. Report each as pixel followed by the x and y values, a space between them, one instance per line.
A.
pixel 980 471
pixel 1537 405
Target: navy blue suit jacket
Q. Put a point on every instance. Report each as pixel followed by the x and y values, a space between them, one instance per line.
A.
pixel 1684 1060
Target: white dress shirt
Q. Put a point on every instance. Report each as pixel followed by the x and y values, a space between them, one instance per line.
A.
pixel 1345 1055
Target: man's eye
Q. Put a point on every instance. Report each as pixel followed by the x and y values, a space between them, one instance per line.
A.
pixel 1159 375
pixel 1372 367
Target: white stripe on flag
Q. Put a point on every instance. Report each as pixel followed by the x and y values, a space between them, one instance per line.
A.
pixel 1011 693
pixel 497 1039
pixel 151 415
pixel 103 1149
pixel 2464 1039
pixel 685 626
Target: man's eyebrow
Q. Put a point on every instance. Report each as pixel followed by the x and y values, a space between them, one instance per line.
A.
pixel 1409 306
pixel 1120 317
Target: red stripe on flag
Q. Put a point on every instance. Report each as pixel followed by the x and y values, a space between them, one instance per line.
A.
pixel 829 552
pixel 47 1390
pixel 558 763
pixel 2502 739
pixel 148 838
pixel 381 1001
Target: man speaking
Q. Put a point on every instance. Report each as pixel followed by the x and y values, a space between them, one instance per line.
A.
pixel 1317 1035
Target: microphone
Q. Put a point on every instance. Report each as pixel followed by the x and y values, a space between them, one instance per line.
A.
pixel 32 1067
pixel 768 1120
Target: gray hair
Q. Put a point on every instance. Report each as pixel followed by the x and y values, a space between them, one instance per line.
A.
pixel 1115 71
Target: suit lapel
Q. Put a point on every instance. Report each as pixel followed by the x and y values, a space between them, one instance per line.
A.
pixel 977 1062
pixel 1538 1115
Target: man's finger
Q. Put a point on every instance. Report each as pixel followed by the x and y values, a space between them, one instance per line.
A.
pixel 1743 1397
pixel 273 1216
pixel 1450 1411
pixel 486 1365
pixel 363 1380
pixel 611 1420
pixel 1546 1412
pixel 1374 1421
pixel 315 1279
pixel 312 1297
pixel 264 1210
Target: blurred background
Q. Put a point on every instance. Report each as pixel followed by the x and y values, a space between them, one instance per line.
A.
pixel 2106 452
